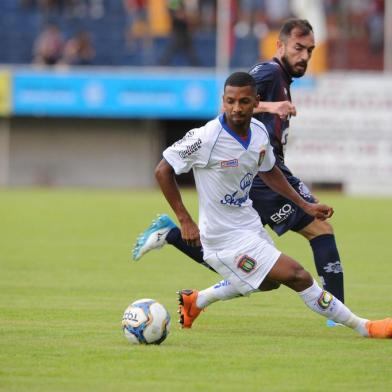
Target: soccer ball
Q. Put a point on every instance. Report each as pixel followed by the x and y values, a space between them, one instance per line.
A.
pixel 146 321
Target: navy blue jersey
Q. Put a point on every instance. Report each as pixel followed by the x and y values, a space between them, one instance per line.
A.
pixel 273 85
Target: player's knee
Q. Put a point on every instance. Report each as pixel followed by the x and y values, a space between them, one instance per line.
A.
pixel 317 228
pixel 325 228
pixel 304 277
pixel 299 277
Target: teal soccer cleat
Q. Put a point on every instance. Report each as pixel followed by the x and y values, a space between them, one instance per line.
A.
pixel 331 324
pixel 153 237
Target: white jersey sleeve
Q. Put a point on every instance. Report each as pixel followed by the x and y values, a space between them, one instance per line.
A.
pixel 268 160
pixel 267 157
pixel 193 150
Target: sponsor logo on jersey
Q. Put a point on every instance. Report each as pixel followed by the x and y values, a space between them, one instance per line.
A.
pixel 304 191
pixel 335 268
pixel 246 182
pixel 255 69
pixel 234 200
pixel 237 198
pixel 246 263
pixel 261 156
pixel 222 283
pixel 230 163
pixel 189 150
pixel 283 213
pixel 187 135
pixel 325 300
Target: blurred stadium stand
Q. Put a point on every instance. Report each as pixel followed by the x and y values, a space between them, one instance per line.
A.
pixel 21 25
pixel 353 27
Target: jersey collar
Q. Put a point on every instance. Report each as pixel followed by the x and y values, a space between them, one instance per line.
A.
pixel 244 142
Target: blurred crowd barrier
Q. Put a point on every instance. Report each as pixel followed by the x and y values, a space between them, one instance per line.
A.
pixel 112 93
pixel 107 128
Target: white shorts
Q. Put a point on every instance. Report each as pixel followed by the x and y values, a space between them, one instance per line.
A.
pixel 247 264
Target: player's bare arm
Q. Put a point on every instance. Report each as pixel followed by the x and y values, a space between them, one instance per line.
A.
pixel 281 108
pixel 278 183
pixel 165 176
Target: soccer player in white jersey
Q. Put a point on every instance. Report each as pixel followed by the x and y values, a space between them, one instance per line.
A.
pixel 225 155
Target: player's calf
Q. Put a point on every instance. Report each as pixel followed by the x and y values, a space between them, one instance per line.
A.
pixel 268 285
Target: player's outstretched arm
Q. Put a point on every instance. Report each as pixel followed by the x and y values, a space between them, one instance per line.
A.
pixel 164 174
pixel 278 183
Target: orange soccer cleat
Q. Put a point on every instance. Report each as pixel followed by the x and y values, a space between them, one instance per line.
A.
pixel 187 308
pixel 380 328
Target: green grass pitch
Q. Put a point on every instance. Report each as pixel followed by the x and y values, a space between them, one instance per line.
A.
pixel 66 278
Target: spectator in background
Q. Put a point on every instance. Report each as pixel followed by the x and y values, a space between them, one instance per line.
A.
pixel 277 11
pixel 49 6
pixel 332 11
pixel 82 8
pixel 180 40
pixel 79 50
pixel 70 8
pixel 138 28
pixel 207 15
pixel 252 18
pixel 375 22
pixel 48 46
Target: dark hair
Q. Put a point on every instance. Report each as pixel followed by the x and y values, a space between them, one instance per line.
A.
pixel 302 25
pixel 241 79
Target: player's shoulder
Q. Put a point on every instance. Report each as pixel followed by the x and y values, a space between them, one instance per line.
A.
pixel 264 69
pixel 212 128
pixel 204 134
pixel 259 128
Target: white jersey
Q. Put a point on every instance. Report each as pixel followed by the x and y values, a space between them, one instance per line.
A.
pixel 224 166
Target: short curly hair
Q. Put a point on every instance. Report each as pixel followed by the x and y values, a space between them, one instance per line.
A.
pixel 302 25
pixel 241 79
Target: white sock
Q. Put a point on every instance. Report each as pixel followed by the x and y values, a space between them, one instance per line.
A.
pixel 324 303
pixel 219 292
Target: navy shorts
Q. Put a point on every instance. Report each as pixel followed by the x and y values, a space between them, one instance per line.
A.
pixel 278 212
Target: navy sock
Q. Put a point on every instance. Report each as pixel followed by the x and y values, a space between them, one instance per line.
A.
pixel 327 260
pixel 194 252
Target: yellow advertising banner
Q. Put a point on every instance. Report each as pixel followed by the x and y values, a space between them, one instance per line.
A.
pixel 5 93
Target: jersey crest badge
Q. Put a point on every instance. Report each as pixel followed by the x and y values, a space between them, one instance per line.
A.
pixel 246 263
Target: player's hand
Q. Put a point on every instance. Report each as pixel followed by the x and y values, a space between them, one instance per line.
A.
pixel 319 211
pixel 190 233
pixel 285 109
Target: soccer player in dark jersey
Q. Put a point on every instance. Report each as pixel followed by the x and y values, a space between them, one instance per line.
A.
pixel 273 79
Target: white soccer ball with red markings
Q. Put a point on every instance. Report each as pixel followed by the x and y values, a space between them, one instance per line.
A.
pixel 146 321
